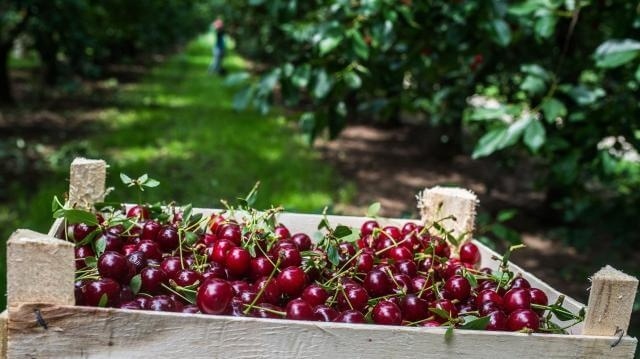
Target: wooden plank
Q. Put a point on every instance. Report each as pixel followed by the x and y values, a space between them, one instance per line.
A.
pixel 610 302
pixel 87 182
pixel 39 269
pixel 75 332
pixel 438 203
pixel 4 317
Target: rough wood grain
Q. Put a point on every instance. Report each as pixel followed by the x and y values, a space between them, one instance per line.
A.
pixel 440 202
pixel 39 269
pixel 610 302
pixel 82 332
pixel 4 317
pixel 87 182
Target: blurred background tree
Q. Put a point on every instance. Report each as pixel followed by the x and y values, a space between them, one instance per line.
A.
pixel 550 82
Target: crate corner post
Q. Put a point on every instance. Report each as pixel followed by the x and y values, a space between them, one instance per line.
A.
pixel 460 204
pixel 87 178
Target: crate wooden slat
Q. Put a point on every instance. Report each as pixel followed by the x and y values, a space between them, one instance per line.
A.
pixel 79 332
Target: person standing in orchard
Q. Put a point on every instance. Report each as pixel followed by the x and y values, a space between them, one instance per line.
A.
pixel 218 48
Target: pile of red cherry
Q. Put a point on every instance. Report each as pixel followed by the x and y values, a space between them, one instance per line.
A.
pixel 389 275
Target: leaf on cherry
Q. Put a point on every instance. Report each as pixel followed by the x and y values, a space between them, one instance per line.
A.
pixel 333 255
pixel 441 313
pixel 342 231
pixel 91 261
pixel 448 334
pixel 135 284
pixel 101 245
pixel 103 301
pixel 476 324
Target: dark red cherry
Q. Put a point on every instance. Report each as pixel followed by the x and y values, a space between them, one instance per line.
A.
pixel 448 307
pixel 171 266
pixel 408 228
pixel 513 299
pixel 457 287
pixel 325 314
pixel 302 240
pixel 167 238
pixel 407 267
pixel 281 232
pixel 488 295
pixel 139 212
pixel 215 222
pixel 240 286
pixel 115 266
pixel 497 321
pixel 187 277
pixel 137 259
pixel 238 261
pixel 81 253
pixel 414 308
pixel 368 227
pixel 214 295
pixel 271 293
pixel 162 303
pixel 150 249
pixel 315 295
pixel 350 316
pixel 519 282
pixel 80 231
pixel 113 243
pixel 152 279
pixel 469 253
pixel 231 232
pixel 298 309
pixel 95 290
pixel 260 267
pixel 267 310
pixel 353 297
pixel 290 257
pixel 523 318
pixel 292 281
pixel 538 297
pixel 386 313
pixel 393 232
pixel 400 253
pixel 377 283
pixel 191 308
pixel 131 305
pixel 150 229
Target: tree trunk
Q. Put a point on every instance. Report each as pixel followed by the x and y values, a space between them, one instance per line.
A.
pixel 6 96
pixel 48 51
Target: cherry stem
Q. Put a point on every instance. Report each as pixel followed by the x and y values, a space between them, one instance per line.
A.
pixel 273 272
pixel 277 312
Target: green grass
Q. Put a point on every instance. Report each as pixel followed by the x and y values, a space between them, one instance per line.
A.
pixel 178 126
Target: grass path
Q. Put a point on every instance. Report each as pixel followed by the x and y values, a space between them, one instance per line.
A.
pixel 178 126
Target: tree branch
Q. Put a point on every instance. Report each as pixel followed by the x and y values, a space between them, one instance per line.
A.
pixel 20 26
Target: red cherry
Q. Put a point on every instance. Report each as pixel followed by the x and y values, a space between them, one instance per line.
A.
pixel 302 240
pixel 139 212
pixel 315 295
pixel 457 287
pixel 401 284
pixel 377 283
pixel 150 229
pixel 469 253
pixel 271 293
pixel 538 297
pixel 414 308
pixel 448 307
pixel 220 249
pixel 393 232
pixel 81 253
pixel 187 277
pixel 497 321
pixel 520 282
pixel 407 267
pixel 368 227
pixel 131 305
pixel 488 295
pixel 162 303
pixel 523 318
pixel 365 262
pixel 386 313
pixel 291 281
pixel 325 314
pixel 260 267
pixel 171 266
pixel 167 238
pixel 151 250
pixel 152 280
pixel 298 309
pixel 409 228
pixel 137 259
pixel 115 266
pixel 514 299
pixel 231 232
pixel 238 261
pixel 191 309
pixel 214 295
pixel 215 221
pixel 95 290
pixel 267 310
pixel 290 257
pixel 281 232
pixel 353 297
pixel 350 316
pixel 400 253
pixel 80 231
pixel 430 324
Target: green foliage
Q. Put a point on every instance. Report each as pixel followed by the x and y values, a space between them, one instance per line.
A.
pixel 548 81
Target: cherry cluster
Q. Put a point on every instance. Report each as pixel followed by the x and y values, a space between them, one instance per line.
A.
pixel 255 267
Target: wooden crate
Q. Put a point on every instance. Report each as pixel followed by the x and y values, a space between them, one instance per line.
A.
pixel 42 321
